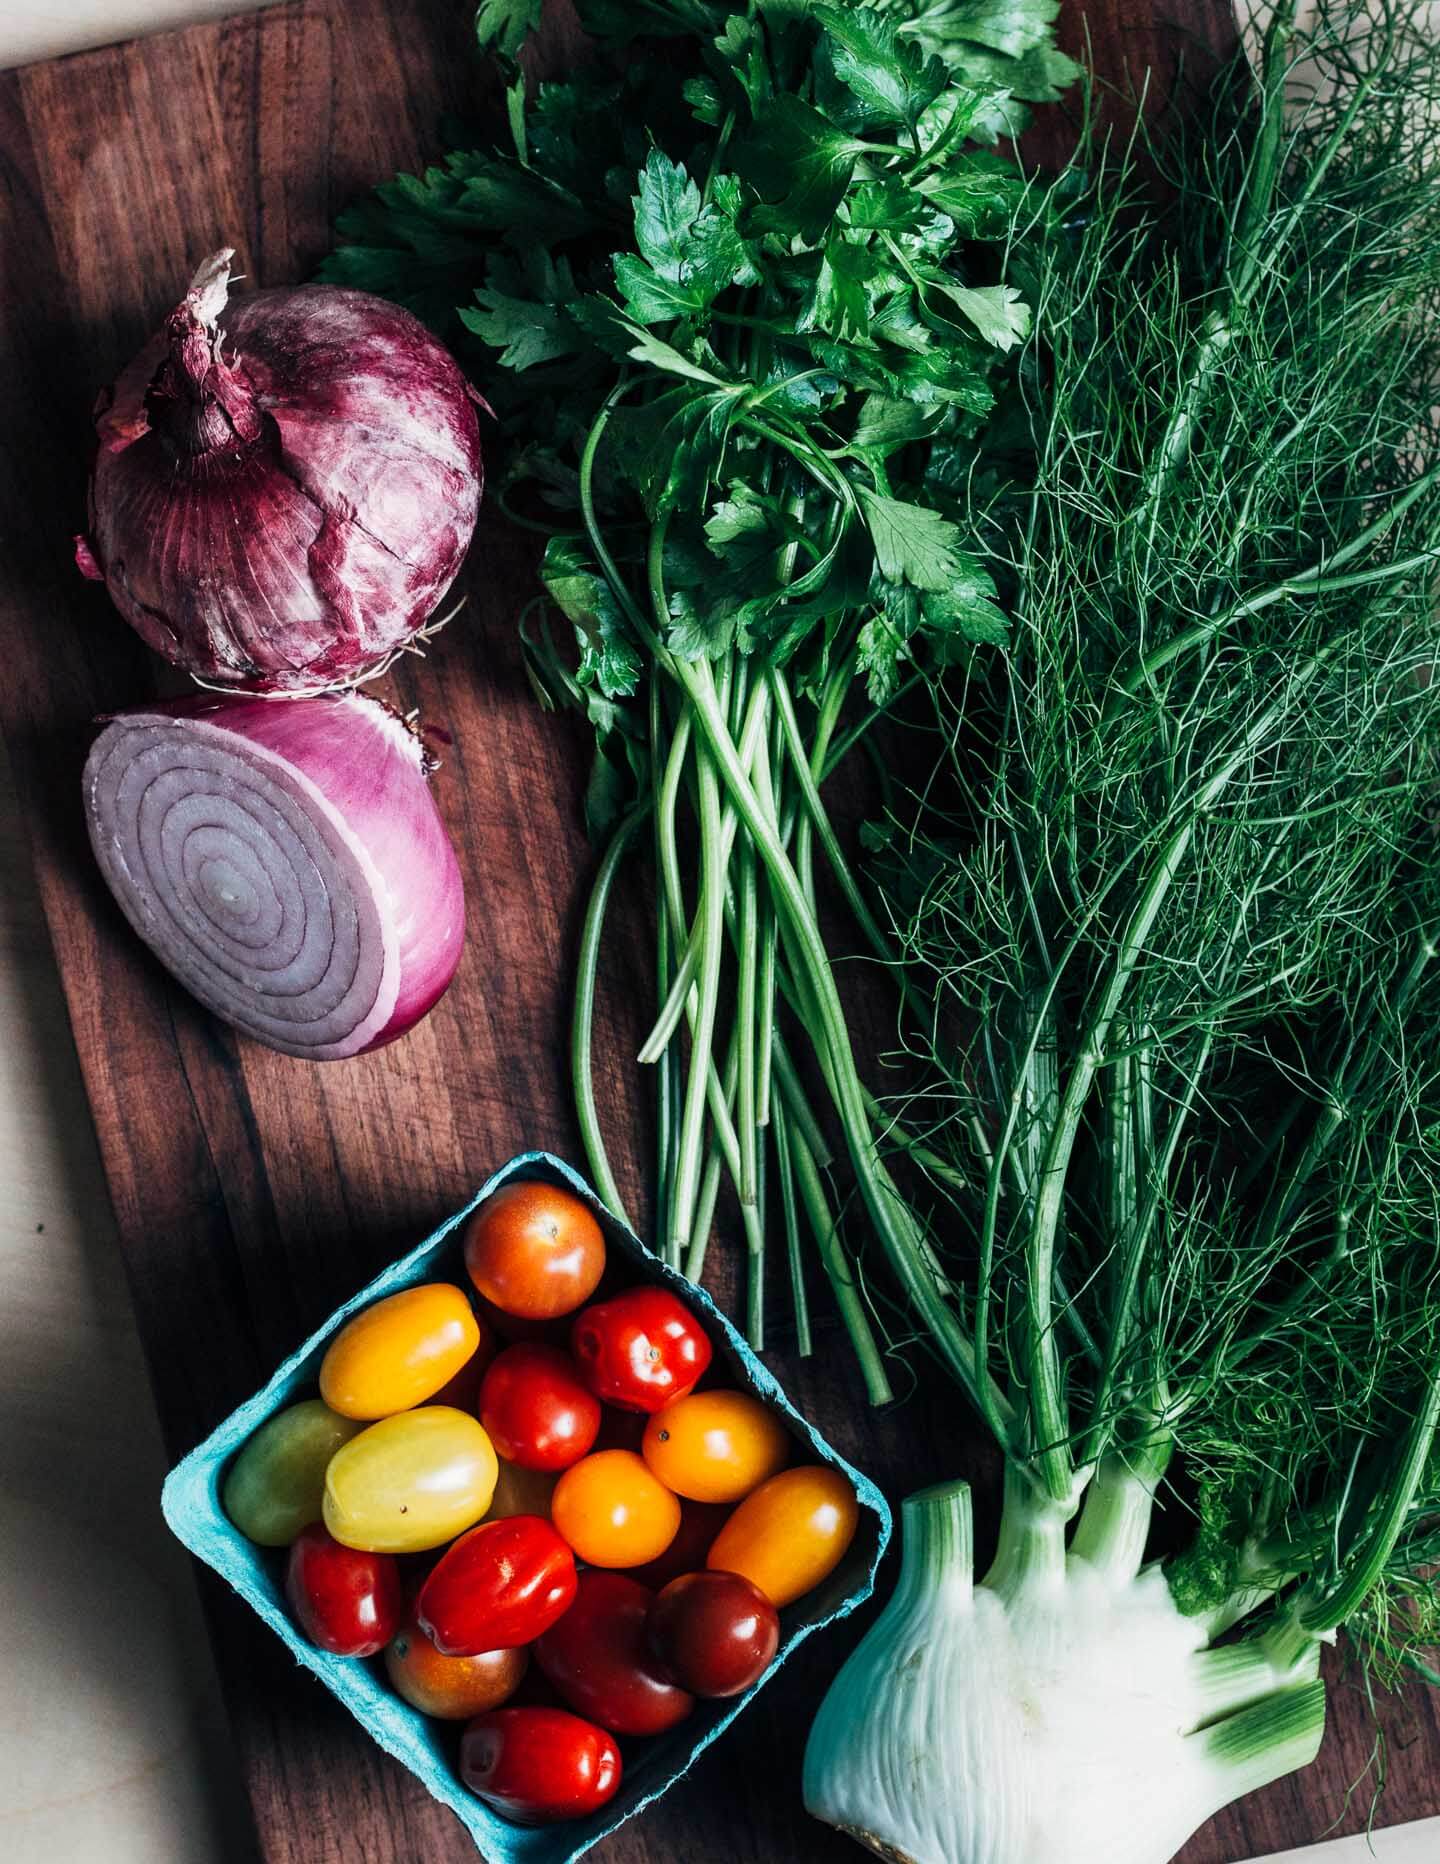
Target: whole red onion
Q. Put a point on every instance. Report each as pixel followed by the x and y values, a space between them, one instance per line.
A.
pixel 285 488
pixel 286 862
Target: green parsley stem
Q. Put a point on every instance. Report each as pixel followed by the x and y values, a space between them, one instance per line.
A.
pixel 582 1021
pixel 794 1256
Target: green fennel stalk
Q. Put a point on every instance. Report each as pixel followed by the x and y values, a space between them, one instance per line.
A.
pixel 1174 894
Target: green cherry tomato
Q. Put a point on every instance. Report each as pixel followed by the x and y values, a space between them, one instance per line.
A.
pixel 410 1482
pixel 276 1484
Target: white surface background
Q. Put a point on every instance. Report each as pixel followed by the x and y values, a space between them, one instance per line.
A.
pixel 31 29
pixel 112 1740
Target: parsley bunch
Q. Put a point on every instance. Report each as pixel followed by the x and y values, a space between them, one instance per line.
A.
pixel 753 288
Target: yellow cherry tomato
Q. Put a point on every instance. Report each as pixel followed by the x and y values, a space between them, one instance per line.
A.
pixel 715 1446
pixel 410 1482
pixel 399 1352
pixel 790 1534
pixel 613 1511
pixel 276 1483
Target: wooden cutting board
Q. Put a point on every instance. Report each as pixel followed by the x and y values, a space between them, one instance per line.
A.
pixel 252 1192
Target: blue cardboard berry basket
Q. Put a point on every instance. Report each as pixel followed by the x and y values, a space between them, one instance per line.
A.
pixel 191 1503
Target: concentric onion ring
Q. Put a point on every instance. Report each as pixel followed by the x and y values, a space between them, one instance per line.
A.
pixel 285 861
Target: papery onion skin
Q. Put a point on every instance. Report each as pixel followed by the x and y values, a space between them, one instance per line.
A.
pixel 285 487
pixel 285 861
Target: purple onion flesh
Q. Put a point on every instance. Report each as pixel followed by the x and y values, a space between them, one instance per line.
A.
pixel 285 861
pixel 285 487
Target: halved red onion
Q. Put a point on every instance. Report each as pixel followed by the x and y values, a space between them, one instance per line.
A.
pixel 285 860
pixel 285 486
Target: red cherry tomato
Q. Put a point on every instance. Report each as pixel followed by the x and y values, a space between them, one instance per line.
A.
pixel 535 1410
pixel 452 1688
pixel 498 1587
pixel 534 1250
pixel 715 1633
pixel 641 1350
pixel 538 1765
pixel 598 1659
pixel 700 1522
pixel 347 1602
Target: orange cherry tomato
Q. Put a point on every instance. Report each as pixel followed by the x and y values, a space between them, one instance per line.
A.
pixel 715 1446
pixel 399 1352
pixel 790 1534
pixel 534 1250
pixel 613 1511
pixel 452 1688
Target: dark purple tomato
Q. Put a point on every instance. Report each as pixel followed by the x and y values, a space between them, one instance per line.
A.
pixel 715 1633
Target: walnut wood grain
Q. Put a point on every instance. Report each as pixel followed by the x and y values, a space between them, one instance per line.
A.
pixel 253 1192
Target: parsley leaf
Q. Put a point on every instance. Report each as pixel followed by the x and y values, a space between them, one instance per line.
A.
pixel 522 310
pixel 689 254
pixel 890 77
pixel 886 424
pixel 797 159
pixel 504 25
pixel 608 657
pixel 966 610
pixel 913 544
pixel 1013 27
pixel 996 311
pixel 839 302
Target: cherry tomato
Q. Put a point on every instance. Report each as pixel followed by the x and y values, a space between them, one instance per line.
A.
pixel 452 1688
pixel 598 1658
pixel 410 1482
pixel 499 1586
pixel 534 1250
pixel 700 1522
pixel 347 1602
pixel 277 1482
pixel 715 1446
pixel 399 1352
pixel 791 1533
pixel 641 1350
pixel 613 1510
pixel 715 1633
pixel 538 1765
pixel 521 1491
pixel 536 1410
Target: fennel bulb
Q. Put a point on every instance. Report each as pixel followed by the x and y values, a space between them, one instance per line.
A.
pixel 1062 1712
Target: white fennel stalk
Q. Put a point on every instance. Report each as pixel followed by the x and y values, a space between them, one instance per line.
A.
pixel 1063 1711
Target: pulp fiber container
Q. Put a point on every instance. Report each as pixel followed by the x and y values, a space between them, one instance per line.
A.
pixel 191 1501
